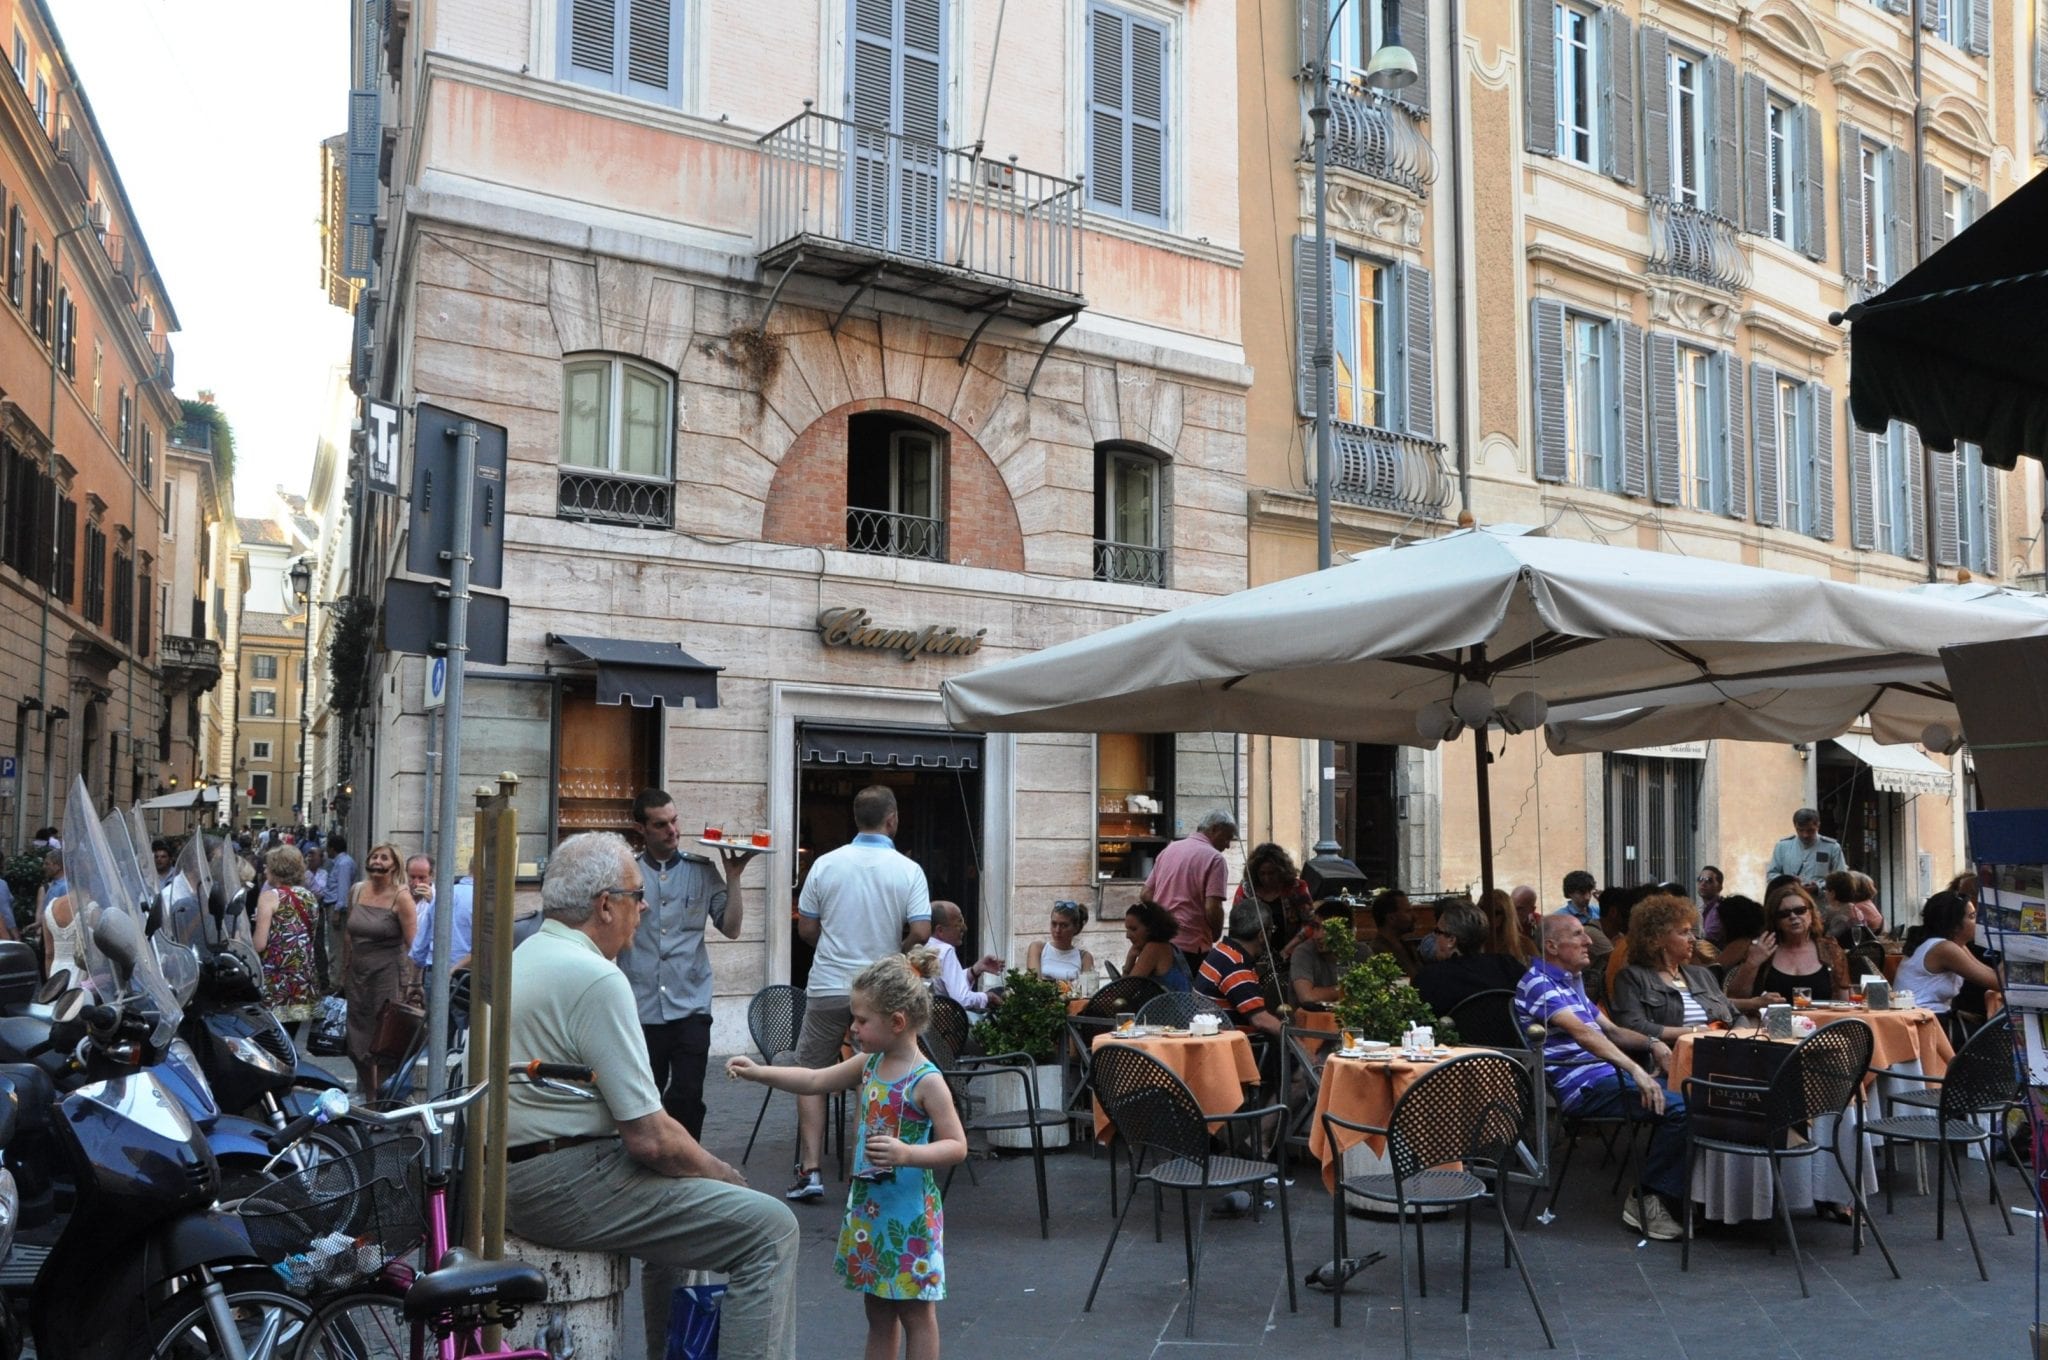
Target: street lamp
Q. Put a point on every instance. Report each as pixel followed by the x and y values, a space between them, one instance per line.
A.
pixel 302 591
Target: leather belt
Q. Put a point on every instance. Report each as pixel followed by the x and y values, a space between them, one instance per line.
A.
pixel 525 1151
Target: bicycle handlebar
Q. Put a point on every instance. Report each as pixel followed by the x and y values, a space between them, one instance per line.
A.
pixel 535 1071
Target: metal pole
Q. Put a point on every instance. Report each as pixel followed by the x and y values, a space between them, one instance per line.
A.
pixel 1325 361
pixel 1482 756
pixel 451 745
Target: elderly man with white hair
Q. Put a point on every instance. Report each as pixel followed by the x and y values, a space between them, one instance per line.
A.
pixel 620 1174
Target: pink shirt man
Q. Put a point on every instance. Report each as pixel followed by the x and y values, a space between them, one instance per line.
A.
pixel 1189 879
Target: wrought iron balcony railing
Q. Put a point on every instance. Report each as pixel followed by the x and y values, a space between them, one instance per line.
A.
pixel 608 498
pixel 1688 242
pixel 189 662
pixel 1389 471
pixel 888 534
pixel 1130 564
pixel 862 205
pixel 1378 136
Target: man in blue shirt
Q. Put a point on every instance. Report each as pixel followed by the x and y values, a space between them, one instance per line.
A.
pixel 669 964
pixel 419 880
pixel 1587 1059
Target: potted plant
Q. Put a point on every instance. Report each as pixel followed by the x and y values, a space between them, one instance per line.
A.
pixel 1029 1019
pixel 1376 1001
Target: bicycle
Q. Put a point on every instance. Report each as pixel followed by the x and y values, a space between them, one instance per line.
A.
pixel 371 1304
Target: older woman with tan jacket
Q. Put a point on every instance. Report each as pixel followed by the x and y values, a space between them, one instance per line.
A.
pixel 1662 993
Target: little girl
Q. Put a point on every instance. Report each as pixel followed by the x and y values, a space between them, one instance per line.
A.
pixel 889 1247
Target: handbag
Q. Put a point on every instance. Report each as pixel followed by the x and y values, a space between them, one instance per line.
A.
pixel 693 1322
pixel 397 1026
pixel 1733 1116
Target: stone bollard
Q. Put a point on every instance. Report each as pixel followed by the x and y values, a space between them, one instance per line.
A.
pixel 585 1315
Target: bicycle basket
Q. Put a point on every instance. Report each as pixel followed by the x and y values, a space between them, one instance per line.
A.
pixel 338 1223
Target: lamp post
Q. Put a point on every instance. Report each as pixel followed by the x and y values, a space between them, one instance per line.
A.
pixel 302 590
pixel 1392 68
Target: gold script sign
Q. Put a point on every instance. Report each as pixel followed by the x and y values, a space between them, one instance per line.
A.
pixel 854 628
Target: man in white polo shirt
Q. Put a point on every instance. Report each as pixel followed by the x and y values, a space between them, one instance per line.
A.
pixel 861 902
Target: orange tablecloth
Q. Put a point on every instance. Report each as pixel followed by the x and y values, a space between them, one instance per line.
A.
pixel 1364 1091
pixel 1216 1067
pixel 1322 1020
pixel 1902 1037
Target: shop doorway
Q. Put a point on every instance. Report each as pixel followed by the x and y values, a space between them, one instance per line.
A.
pixel 1368 810
pixel 1866 820
pixel 937 779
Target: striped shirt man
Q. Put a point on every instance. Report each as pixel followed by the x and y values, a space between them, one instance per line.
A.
pixel 1544 991
pixel 1226 975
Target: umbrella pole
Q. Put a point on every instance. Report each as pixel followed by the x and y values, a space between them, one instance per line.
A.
pixel 1481 757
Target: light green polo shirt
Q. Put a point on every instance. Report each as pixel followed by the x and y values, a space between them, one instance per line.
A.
pixel 570 1004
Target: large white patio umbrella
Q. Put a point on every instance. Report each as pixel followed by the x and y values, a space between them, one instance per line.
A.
pixel 1408 645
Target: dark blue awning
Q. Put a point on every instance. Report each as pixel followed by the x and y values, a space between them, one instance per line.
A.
pixel 644 674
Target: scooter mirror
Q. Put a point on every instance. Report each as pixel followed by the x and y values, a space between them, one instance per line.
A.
pixel 53 987
pixel 67 1005
pixel 154 920
pixel 118 939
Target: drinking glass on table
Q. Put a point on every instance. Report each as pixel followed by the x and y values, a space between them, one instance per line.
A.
pixel 1802 998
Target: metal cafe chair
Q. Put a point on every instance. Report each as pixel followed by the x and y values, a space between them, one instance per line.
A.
pixel 1822 1075
pixel 1573 1126
pixel 1168 1133
pixel 1175 1009
pixel 774 1019
pixel 1450 1141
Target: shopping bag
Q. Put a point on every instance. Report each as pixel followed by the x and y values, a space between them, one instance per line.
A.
pixel 693 1322
pixel 330 1035
pixel 397 1026
pixel 1733 1116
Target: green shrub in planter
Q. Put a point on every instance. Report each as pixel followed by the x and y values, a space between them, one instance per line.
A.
pixel 1029 1019
pixel 24 875
pixel 1376 1001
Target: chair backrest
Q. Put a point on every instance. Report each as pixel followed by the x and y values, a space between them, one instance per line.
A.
pixel 1470 1110
pixel 1821 1075
pixel 1177 1008
pixel 1152 1108
pixel 1302 1051
pixel 1488 1018
pixel 1124 994
pixel 774 1019
pixel 1982 1074
pixel 950 1020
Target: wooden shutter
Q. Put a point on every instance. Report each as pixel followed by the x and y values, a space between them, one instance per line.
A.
pixel 1756 155
pixel 1862 495
pixel 652 60
pixel 1852 201
pixel 1975 201
pixel 1763 412
pixel 1930 13
pixel 1994 552
pixel 1127 102
pixel 1618 128
pixel 1950 486
pixel 1656 100
pixel 1813 186
pixel 363 145
pixel 1415 37
pixel 65 564
pixel 1308 303
pixel 1820 459
pixel 1108 127
pixel 590 37
pixel 1546 365
pixel 1148 135
pixel 921 118
pixel 1734 447
pixel 1417 359
pixel 1933 229
pixel 1979 36
pixel 1726 151
pixel 1539 76
pixel 1635 452
pixel 1916 494
pixel 1899 212
pixel 1667 475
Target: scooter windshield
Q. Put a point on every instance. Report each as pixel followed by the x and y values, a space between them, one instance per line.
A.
pixel 96 887
pixel 127 860
pixel 189 890
pixel 228 907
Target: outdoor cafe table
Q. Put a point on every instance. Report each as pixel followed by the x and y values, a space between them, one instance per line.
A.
pixel 1364 1090
pixel 1216 1068
pixel 1909 1044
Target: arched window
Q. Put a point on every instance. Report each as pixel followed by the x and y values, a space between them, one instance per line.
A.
pixel 1129 516
pixel 618 436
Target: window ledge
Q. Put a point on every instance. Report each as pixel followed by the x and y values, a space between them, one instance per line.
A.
pixel 1108 224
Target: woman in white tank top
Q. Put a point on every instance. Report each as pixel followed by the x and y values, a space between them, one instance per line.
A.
pixel 1061 960
pixel 1937 970
pixel 61 938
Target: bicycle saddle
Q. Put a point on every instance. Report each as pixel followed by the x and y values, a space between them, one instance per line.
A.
pixel 472 1284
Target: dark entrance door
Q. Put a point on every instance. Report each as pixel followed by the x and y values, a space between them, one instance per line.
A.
pixel 1368 825
pixel 937 779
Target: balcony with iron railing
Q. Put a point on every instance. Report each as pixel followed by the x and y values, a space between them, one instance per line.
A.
pixel 599 497
pixel 1378 136
pixel 1388 470
pixel 889 534
pixel 875 209
pixel 189 663
pixel 1131 564
pixel 1688 242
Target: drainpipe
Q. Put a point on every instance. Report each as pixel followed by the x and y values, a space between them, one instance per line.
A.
pixel 1927 479
pixel 1460 412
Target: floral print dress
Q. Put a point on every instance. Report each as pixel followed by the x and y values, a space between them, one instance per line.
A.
pixel 289 986
pixel 890 1244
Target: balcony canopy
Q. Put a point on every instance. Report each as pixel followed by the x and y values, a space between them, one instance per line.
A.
pixel 644 674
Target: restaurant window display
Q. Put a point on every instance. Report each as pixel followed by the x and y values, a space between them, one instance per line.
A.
pixel 609 752
pixel 1152 788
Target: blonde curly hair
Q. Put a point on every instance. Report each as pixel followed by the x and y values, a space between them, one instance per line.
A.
pixel 893 987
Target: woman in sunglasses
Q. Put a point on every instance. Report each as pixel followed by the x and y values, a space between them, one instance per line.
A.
pixel 1792 952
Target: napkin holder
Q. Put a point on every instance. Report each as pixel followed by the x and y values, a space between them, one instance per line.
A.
pixel 1778 1022
pixel 1877 993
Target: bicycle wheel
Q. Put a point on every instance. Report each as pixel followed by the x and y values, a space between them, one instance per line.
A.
pixel 271 1322
pixel 362 1326
pixel 240 1177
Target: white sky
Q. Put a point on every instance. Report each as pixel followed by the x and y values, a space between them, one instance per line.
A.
pixel 214 111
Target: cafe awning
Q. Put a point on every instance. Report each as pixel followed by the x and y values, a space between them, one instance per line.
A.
pixel 184 800
pixel 644 674
pixel 1956 347
pixel 1897 769
pixel 887 747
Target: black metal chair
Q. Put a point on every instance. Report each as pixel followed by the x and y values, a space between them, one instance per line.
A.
pixel 1450 1141
pixel 1822 1075
pixel 1982 1079
pixel 775 1017
pixel 961 1074
pixel 952 1022
pixel 1175 1009
pixel 1488 1019
pixel 1168 1133
pixel 1573 1126
pixel 1302 1053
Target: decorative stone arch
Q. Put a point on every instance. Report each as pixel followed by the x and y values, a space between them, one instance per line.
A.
pixel 1877 77
pixel 807 497
pixel 1788 30
pixel 1961 125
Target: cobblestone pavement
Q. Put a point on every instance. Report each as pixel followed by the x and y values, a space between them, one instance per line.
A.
pixel 1012 1294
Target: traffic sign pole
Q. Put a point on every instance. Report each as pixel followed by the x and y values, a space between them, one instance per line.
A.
pixel 451 759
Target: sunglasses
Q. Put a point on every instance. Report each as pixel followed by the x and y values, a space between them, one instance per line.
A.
pixel 1789 914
